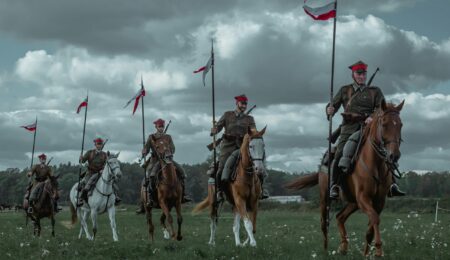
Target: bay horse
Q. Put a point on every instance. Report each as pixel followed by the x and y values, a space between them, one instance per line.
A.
pixel 368 185
pixel 102 199
pixel 169 193
pixel 244 192
pixel 44 207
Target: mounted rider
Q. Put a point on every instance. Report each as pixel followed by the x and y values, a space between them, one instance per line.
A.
pixel 153 166
pixel 359 102
pixel 41 173
pixel 236 124
pixel 96 159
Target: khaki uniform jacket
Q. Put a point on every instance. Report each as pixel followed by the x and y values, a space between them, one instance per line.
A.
pixel 96 160
pixel 236 125
pixel 41 172
pixel 157 137
pixel 363 101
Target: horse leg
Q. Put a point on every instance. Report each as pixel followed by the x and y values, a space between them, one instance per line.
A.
pixel 241 208
pixel 151 227
pixel 374 221
pixel 212 215
pixel 179 220
pixel 323 186
pixel 166 212
pixel 94 222
pixel 112 221
pixel 38 222
pixel 84 225
pixel 53 224
pixel 236 227
pixel 341 217
pixel 163 224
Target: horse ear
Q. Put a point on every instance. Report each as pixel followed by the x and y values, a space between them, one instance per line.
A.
pixel 117 155
pixel 383 104
pixel 261 133
pixel 400 106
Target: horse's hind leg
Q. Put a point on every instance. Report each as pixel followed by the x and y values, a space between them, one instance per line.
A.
pixel 83 215
pixel 162 219
pixel 212 215
pixel 94 222
pixel 112 221
pixel 341 217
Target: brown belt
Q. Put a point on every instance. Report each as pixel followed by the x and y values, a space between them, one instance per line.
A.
pixel 350 118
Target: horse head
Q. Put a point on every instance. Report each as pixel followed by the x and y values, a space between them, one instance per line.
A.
pixel 113 166
pixel 388 125
pixel 163 150
pixel 257 151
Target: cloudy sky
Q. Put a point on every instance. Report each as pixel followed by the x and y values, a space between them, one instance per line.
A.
pixel 53 51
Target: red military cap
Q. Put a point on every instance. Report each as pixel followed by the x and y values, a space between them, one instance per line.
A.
pixel 42 156
pixel 159 122
pixel 358 67
pixel 241 98
pixel 98 140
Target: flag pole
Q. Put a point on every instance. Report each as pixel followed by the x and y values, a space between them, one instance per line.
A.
pixel 143 142
pixel 82 147
pixel 213 95
pixel 34 143
pixel 330 118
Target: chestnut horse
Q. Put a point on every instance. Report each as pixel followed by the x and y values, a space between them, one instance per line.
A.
pixel 244 192
pixel 367 186
pixel 44 207
pixel 169 192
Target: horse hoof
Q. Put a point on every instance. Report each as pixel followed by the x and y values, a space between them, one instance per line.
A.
pixel 342 250
pixel 239 245
pixel 211 243
pixel 253 244
pixel 166 234
pixel 179 238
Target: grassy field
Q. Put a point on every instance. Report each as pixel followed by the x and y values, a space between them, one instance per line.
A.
pixel 281 234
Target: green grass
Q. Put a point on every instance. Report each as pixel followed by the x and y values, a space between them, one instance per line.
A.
pixel 281 234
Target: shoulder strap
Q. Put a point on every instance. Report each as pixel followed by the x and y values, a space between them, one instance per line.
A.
pixel 91 155
pixel 350 96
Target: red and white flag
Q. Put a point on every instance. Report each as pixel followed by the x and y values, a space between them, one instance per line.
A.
pixel 82 104
pixel 31 127
pixel 136 98
pixel 205 69
pixel 321 13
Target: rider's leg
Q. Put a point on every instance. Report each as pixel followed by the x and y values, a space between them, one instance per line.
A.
pixel 335 170
pixel 182 177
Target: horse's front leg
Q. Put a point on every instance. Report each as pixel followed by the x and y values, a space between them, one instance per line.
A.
pixel 365 204
pixel 52 218
pixel 237 227
pixel 166 211
pixel 94 221
pixel 341 217
pixel 151 227
pixel 83 216
pixel 241 209
pixel 212 214
pixel 112 221
pixel 162 220
pixel 179 220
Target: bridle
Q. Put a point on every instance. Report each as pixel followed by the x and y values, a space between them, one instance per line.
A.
pixel 250 169
pixel 380 149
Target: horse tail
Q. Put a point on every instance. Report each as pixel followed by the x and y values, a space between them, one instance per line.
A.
pixel 201 206
pixel 73 213
pixel 302 182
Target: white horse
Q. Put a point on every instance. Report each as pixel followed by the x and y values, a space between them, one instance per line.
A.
pixel 101 200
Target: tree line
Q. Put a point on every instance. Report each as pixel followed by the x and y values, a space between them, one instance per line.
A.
pixel 13 183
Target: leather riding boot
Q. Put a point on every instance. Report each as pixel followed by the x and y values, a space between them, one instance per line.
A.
pixel 82 197
pixel 394 190
pixel 184 198
pixel 116 192
pixel 334 190
pixel 264 193
pixel 151 202
pixel 140 209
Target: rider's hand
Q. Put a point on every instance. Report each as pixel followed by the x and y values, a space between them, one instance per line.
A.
pixel 330 110
pixel 81 158
pixel 144 152
pixel 368 120
pixel 29 174
pixel 213 130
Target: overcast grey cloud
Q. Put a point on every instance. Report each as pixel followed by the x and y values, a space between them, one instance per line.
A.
pixel 270 50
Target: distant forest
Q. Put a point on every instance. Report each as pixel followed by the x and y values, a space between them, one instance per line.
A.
pixel 13 183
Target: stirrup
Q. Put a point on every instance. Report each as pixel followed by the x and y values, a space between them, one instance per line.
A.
pixel 220 196
pixel 30 210
pixel 334 191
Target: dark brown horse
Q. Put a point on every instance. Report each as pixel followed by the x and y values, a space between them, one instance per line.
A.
pixel 169 194
pixel 244 192
pixel 44 207
pixel 367 186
